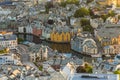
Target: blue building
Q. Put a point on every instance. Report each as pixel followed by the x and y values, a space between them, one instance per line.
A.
pixel 83 43
pixel 6 2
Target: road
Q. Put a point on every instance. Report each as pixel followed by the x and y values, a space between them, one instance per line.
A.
pixel 25 59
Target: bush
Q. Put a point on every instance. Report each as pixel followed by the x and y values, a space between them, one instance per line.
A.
pixel 85 23
pixel 20 40
pixel 84 69
pixel 117 72
pixel 82 12
pixel 41 67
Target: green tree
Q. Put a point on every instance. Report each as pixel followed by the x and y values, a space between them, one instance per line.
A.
pixel 111 13
pixel 81 12
pixel 85 23
pixel 41 67
pixel 84 69
pixel 88 28
pixel 117 72
pixel 64 3
pixel 20 40
pixel 81 69
pixel 118 16
pixel 89 1
pixel 88 68
pixel 104 17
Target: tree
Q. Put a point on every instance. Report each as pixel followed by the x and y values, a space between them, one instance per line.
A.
pixel 81 12
pixel 88 28
pixel 89 1
pixel 81 69
pixel 104 17
pixel 84 69
pixel 111 13
pixel 88 68
pixel 41 67
pixel 117 72
pixel 72 2
pixel 118 16
pixel 20 40
pixel 85 23
pixel 64 3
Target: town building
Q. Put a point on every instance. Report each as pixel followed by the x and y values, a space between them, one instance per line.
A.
pixel 9 59
pixel 109 2
pixel 69 73
pixel 108 34
pixel 112 49
pixel 84 43
pixel 8 40
pixel 60 37
pixel 38 52
pixel 106 66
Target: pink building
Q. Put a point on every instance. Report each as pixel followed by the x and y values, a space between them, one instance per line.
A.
pixel 37 31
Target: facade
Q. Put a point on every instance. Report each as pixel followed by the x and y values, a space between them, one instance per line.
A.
pixel 21 29
pixel 46 33
pixel 112 49
pixel 84 43
pixel 29 29
pixel 106 66
pixel 37 31
pixel 8 40
pixel 38 52
pixel 69 73
pixel 108 34
pixel 109 2
pixel 7 59
pixel 60 37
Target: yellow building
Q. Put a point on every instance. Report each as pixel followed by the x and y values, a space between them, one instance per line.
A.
pixel 115 40
pixel 109 2
pixel 60 37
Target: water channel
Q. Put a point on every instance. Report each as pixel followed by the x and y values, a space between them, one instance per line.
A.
pixel 61 48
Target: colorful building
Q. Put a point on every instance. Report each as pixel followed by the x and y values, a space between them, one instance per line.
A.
pixel 109 2
pixel 60 36
pixel 84 43
pixel 8 40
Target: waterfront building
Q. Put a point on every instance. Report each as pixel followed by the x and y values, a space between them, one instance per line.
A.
pixel 46 33
pixel 37 31
pixel 112 49
pixel 8 40
pixel 84 43
pixel 108 34
pixel 60 36
pixel 29 29
pixel 21 29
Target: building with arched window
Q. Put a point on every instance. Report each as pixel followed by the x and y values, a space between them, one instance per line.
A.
pixel 84 43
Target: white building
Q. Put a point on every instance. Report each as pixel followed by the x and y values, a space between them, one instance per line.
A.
pixel 8 40
pixel 5 12
pixel 20 29
pixel 84 43
pixel 9 59
pixel 29 29
pixel 38 52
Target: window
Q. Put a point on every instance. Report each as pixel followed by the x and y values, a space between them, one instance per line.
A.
pixel 118 56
